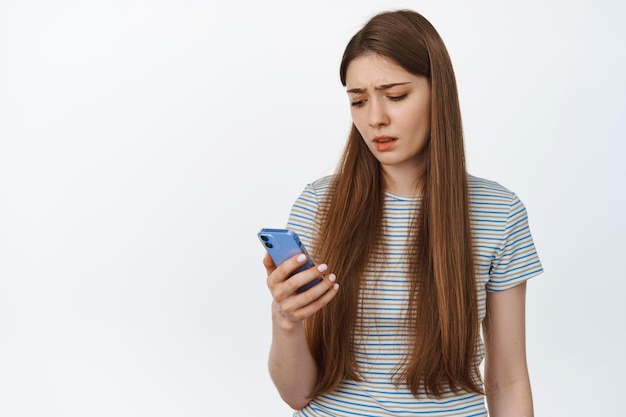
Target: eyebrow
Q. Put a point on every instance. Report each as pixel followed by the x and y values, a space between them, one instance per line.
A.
pixel 380 87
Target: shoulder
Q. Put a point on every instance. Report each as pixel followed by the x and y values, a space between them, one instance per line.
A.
pixel 312 195
pixel 318 189
pixel 493 203
pixel 322 184
pixel 303 218
pixel 491 195
pixel 482 188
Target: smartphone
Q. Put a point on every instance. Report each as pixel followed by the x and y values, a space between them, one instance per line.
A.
pixel 282 244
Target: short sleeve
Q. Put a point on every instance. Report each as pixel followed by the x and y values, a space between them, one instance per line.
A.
pixel 304 215
pixel 516 260
pixel 302 218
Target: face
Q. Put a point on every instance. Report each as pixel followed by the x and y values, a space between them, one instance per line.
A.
pixel 391 109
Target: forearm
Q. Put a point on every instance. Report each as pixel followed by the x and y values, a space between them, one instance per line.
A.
pixel 513 399
pixel 507 384
pixel 291 365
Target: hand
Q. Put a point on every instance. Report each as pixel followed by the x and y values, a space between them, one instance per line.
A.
pixel 290 306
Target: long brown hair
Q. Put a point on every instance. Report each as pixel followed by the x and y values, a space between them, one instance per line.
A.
pixel 443 310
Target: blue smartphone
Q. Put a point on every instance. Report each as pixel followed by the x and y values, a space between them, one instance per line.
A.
pixel 282 244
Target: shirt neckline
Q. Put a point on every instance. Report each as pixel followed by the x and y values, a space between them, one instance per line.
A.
pixel 402 197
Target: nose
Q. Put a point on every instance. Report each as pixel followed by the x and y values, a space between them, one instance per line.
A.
pixel 377 116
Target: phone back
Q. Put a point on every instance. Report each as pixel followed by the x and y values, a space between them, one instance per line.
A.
pixel 283 244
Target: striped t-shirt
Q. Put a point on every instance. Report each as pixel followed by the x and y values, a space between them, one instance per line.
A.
pixel 505 256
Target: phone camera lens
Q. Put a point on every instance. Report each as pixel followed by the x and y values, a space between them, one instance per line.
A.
pixel 264 238
pixel 269 245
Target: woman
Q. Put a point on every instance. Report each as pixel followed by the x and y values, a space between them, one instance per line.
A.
pixel 425 254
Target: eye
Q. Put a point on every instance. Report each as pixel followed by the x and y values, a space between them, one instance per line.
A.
pixel 397 98
pixel 358 103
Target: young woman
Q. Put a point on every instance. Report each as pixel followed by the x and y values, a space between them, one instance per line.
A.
pixel 425 254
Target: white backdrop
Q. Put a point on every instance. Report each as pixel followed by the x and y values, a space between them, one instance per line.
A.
pixel 143 144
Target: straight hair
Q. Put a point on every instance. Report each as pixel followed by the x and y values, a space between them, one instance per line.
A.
pixel 442 310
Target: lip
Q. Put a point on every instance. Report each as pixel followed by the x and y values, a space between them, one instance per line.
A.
pixel 384 143
pixel 383 138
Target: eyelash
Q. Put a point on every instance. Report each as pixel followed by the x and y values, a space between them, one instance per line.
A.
pixel 398 98
pixel 392 98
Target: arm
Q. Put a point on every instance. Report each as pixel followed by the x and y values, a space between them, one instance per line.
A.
pixel 507 384
pixel 291 364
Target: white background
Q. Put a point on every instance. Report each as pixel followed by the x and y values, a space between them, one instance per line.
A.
pixel 144 143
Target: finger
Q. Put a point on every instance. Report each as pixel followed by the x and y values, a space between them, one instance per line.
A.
pixel 268 263
pixel 316 304
pixel 319 290
pixel 291 300
pixel 302 278
pixel 284 270
pixel 283 288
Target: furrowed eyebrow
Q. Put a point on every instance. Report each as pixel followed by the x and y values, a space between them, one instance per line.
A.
pixel 380 87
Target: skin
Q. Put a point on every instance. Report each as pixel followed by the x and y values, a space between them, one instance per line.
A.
pixel 387 102
pixel 507 383
pixel 291 365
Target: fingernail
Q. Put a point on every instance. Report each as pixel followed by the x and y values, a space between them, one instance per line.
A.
pixel 336 286
pixel 322 267
pixel 332 277
pixel 301 258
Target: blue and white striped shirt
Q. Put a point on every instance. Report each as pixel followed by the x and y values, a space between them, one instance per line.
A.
pixel 505 256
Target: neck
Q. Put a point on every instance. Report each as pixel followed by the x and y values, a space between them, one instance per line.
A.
pixel 403 182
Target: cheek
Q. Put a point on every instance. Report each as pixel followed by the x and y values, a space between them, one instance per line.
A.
pixel 417 121
pixel 359 123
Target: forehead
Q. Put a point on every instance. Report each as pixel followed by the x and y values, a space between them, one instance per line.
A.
pixel 372 70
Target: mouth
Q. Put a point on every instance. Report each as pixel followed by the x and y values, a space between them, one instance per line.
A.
pixel 384 143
